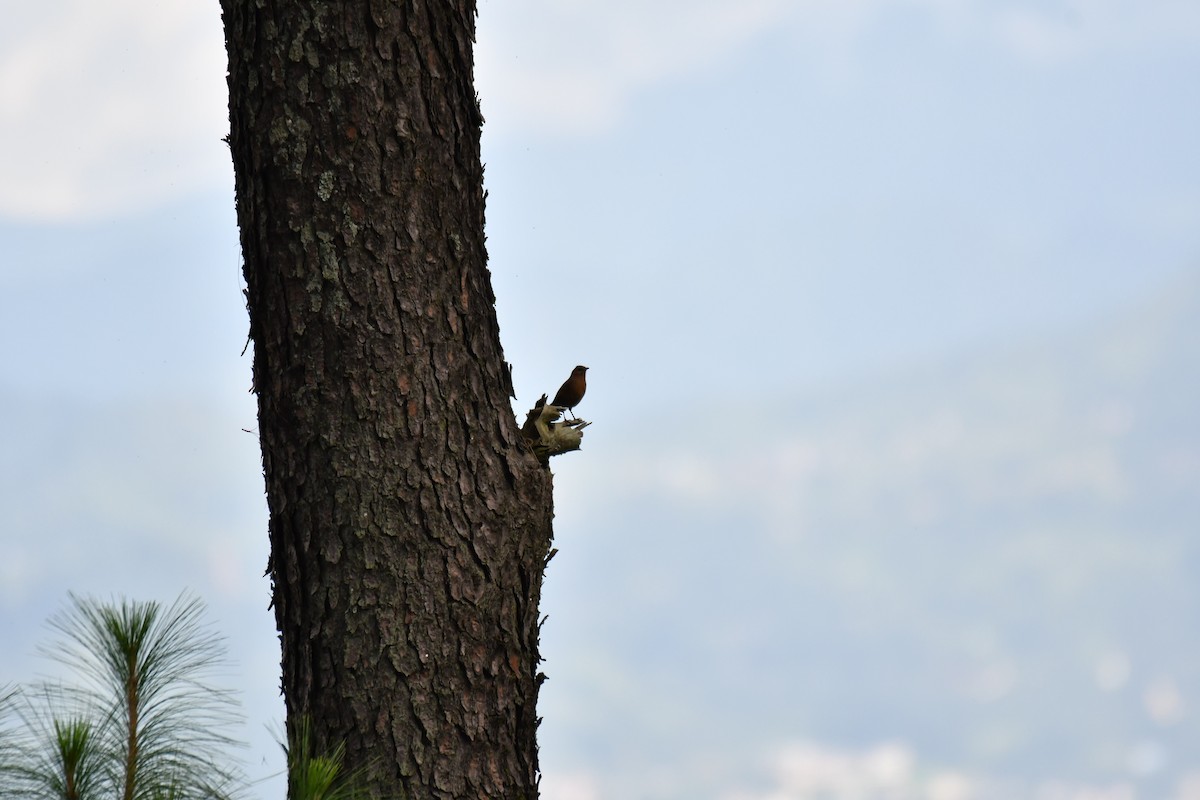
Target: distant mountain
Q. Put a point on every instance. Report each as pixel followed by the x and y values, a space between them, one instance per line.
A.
pixel 987 569
pixel 995 562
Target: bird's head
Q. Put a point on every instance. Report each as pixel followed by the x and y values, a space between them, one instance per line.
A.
pixel 578 370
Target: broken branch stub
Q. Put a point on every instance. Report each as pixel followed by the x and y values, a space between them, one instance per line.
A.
pixel 546 436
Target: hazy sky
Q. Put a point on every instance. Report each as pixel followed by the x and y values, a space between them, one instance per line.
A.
pixel 707 202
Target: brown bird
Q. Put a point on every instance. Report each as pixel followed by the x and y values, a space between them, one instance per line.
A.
pixel 572 390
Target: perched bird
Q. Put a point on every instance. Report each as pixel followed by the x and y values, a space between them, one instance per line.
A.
pixel 571 392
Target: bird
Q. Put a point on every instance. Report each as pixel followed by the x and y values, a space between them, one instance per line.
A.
pixel 572 390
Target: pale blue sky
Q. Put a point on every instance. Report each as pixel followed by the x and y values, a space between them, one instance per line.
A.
pixel 723 207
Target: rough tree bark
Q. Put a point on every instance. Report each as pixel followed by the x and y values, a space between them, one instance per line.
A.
pixel 409 527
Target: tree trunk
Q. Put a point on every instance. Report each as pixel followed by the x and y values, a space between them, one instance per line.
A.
pixel 409 527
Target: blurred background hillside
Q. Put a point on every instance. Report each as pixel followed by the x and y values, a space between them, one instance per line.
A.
pixel 984 566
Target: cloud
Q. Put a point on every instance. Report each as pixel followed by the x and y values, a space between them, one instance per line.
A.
pixel 110 107
pixel 570 786
pixel 802 769
pixel 1053 32
pixel 113 107
pixel 572 67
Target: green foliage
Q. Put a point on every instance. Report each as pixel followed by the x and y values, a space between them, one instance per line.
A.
pixel 7 741
pixel 64 764
pixel 319 777
pixel 141 721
